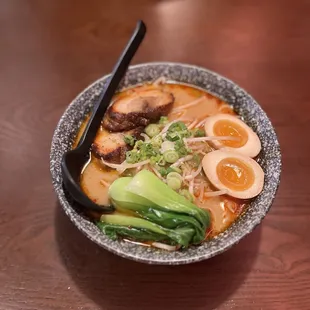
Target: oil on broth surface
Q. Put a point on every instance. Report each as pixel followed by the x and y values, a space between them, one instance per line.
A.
pixel 96 178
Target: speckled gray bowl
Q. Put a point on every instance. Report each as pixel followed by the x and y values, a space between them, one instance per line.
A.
pixel 243 103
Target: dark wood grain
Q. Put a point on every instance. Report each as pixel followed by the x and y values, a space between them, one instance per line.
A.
pixel 50 50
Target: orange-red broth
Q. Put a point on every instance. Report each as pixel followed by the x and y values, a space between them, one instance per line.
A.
pixel 95 177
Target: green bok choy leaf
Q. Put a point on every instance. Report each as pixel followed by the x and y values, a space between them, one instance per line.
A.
pixel 142 230
pixel 153 212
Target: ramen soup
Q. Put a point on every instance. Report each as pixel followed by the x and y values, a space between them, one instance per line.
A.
pixel 175 162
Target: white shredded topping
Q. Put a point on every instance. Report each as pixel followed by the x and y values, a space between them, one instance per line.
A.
pixel 198 147
pixel 215 193
pixel 194 174
pixel 182 160
pixel 145 136
pixel 167 127
pixel 193 124
pixel 105 183
pixel 160 80
pixel 229 206
pixel 183 119
pixel 191 187
pixel 157 173
pixel 224 106
pixel 201 123
pixel 201 139
pixel 188 105
pixel 123 166
pixel 202 188
pixel 164 246
pixel 185 143
pixel 181 113
pixel 136 242
pixel 201 152
pixel 185 170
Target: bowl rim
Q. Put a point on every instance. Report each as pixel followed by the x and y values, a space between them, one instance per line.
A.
pixel 179 261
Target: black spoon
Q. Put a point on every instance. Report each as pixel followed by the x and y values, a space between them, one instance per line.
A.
pixel 74 160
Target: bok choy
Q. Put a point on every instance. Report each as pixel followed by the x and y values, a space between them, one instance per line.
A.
pixel 148 210
pixel 142 230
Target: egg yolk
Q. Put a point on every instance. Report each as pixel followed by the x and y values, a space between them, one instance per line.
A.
pixel 235 174
pixel 228 128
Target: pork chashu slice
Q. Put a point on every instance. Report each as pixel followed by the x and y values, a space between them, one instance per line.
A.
pixel 112 147
pixel 138 109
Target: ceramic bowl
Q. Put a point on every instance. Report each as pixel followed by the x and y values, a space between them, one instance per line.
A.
pixel 244 105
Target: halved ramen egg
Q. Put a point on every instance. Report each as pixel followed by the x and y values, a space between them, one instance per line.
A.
pixel 245 141
pixel 241 176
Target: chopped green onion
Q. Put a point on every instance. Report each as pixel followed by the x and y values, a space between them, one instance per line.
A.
pixel 157 141
pixel 198 132
pixel 133 157
pixel 174 183
pixel 166 146
pixel 180 148
pixel 171 156
pixel 163 171
pixel 174 169
pixel 138 144
pixel 173 136
pixel 143 151
pixel 152 130
pixel 166 171
pixel 162 161
pixel 174 175
pixel 163 120
pixel 130 140
pixel 155 159
pixel 185 193
pixel 177 131
pixel 177 126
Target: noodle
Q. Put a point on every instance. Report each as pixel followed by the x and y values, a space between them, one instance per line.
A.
pixel 188 105
pixel 145 136
pixel 193 124
pixel 191 187
pixel 156 172
pixel 164 246
pixel 124 165
pixel 215 193
pixel 104 183
pixel 181 160
pixel 220 138
pixel 167 127
pixel 193 175
pixel 160 80
pixel 202 187
pixel 201 123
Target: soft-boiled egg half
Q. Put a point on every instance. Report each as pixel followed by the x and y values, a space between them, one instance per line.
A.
pixel 243 139
pixel 240 176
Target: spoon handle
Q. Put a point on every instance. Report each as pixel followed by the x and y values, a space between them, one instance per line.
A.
pixel 105 98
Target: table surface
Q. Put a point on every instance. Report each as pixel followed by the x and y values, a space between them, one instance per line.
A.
pixel 49 51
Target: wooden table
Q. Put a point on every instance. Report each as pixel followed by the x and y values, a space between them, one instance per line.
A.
pixel 50 50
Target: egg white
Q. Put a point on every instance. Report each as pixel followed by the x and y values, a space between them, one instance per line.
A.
pixel 251 148
pixel 210 162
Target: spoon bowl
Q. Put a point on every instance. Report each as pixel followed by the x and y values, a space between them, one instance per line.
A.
pixel 74 160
